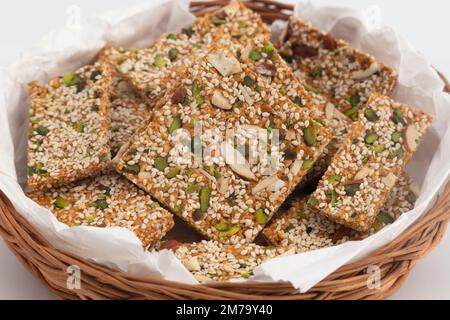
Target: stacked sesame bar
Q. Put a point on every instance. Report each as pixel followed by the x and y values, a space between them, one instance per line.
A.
pixel 68 138
pixel 364 171
pixel 223 199
pixel 345 76
pixel 108 200
pixel 211 260
pixel 302 228
pixel 155 69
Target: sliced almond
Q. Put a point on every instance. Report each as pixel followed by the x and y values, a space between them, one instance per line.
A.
pixel 121 152
pixel 415 188
pixel 223 184
pixel 290 135
pixel 237 162
pixel 264 183
pixel 224 64
pixel 220 101
pixel 296 166
pixel 277 186
pixel 329 111
pixel 411 135
pixel 389 180
pixel 364 173
pixel 274 196
pixel 364 74
pixel 287 253
pixel 246 52
pixel 192 264
pixel 201 278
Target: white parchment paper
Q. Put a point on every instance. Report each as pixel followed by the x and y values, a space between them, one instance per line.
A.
pixel 70 48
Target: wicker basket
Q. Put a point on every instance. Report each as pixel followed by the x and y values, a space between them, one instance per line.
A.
pixel 395 260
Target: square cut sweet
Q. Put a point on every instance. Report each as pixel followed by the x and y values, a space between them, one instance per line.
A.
pixel 129 112
pixel 344 75
pixel 366 167
pixel 68 138
pixel 211 260
pixel 108 200
pixel 304 229
pixel 231 192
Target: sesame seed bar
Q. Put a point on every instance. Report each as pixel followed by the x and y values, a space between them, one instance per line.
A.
pixel 128 112
pixel 222 199
pixel 304 229
pixel 332 67
pixel 365 169
pixel 108 200
pixel 68 138
pixel 211 260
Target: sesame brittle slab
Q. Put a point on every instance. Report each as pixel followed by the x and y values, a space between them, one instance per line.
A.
pixel 366 168
pixel 211 260
pixel 305 229
pixel 226 195
pixel 332 67
pixel 68 138
pixel 108 200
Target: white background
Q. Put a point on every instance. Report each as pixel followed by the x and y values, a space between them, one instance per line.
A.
pixel 424 23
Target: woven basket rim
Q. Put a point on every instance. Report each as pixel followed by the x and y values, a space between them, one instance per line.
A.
pixel 395 260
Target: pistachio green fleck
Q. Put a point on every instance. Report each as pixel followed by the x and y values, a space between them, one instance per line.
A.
pixel 192 188
pixel 171 36
pixel 159 61
pixel 371 138
pixel 411 198
pixel 222 226
pixel 173 54
pixel 298 101
pixel 377 148
pixel 309 135
pixel 229 233
pixel 173 172
pixel 334 178
pixel 161 163
pixel 371 115
pixel 132 169
pixel 101 204
pixel 354 100
pixel 249 81
pixel 396 136
pixel 43 131
pixel 316 73
pixel 397 116
pixel 61 203
pixel 260 217
pixel 351 189
pixel 78 126
pixel 255 55
pixel 331 197
pixel 71 79
pixel 307 164
pixel 90 219
pixel 312 201
pixel 175 125
pixel 385 217
pixel 205 196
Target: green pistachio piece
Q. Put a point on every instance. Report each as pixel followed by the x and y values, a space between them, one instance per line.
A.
pixel 396 136
pixel 173 54
pixel 43 131
pixel 411 198
pixel 173 172
pixel 159 61
pixel 309 135
pixel 385 217
pixel 298 101
pixel 78 126
pixel 192 188
pixel 229 233
pixel 377 148
pixel 217 174
pixel 101 204
pixel 132 169
pixel 397 116
pixel 222 226
pixel 178 209
pixel 90 219
pixel 316 73
pixel 205 196
pixel 71 79
pixel 287 57
pixel 307 164
pixel 217 21
pixel 95 75
pixel 61 203
pixel 246 275
pixel 371 138
pixel 268 48
pixel 255 55
pixel 354 100
pixel 334 178
pixel 175 125
pixel 171 36
pixel 371 115
pixel 189 31
pixel 196 92
pixel 352 113
pixel 311 88
pixel 283 91
pixel 161 163
pixel 260 217
pixel 249 81
pixel 331 197
pixel 312 201
pixel 351 189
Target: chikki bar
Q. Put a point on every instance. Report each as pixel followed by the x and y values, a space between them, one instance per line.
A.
pixel 344 75
pixel 373 155
pixel 68 138
pixel 108 200
pixel 304 229
pixel 226 197
pixel 211 260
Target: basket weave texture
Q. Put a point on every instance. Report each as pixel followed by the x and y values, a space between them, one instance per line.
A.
pixel 349 282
